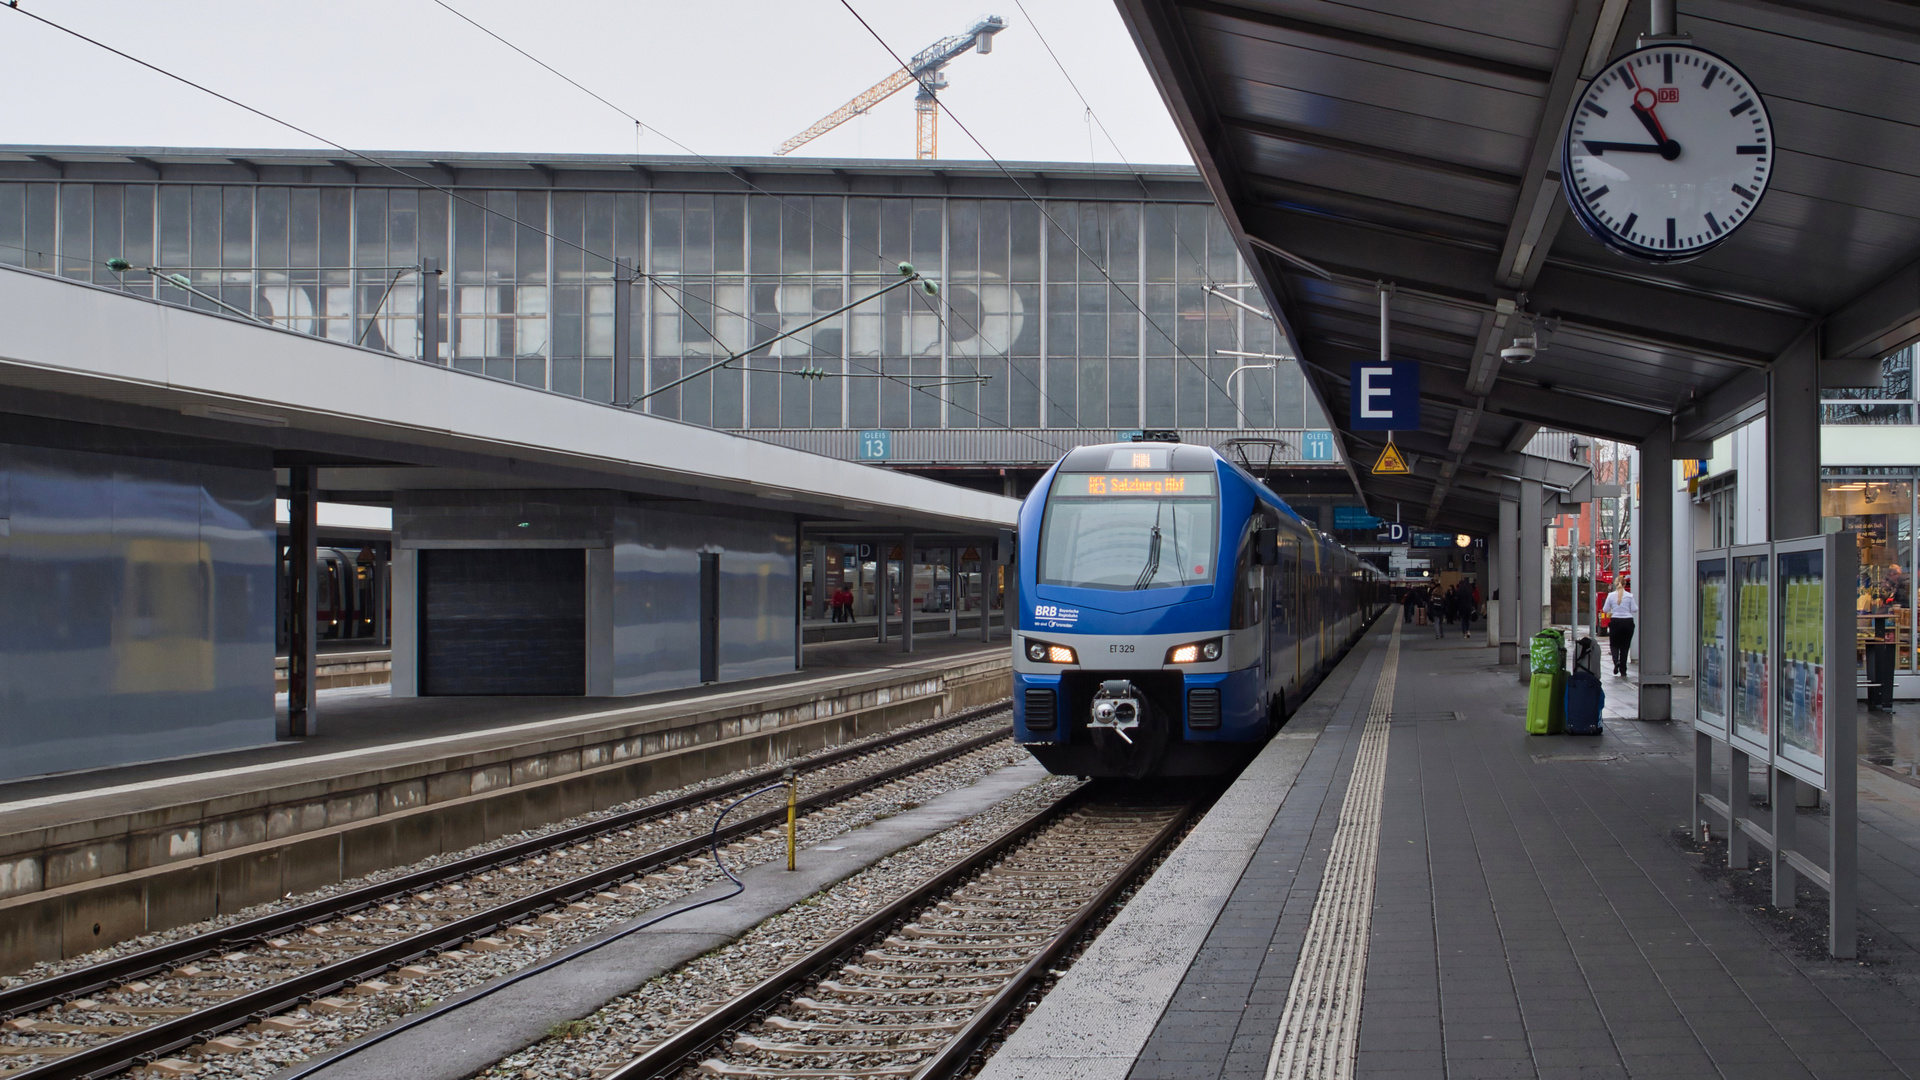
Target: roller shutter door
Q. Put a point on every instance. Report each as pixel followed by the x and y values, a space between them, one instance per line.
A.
pixel 503 621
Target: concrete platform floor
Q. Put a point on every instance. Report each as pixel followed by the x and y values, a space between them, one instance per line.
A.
pixel 367 718
pixel 1537 912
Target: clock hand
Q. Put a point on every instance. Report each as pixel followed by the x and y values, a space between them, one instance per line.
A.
pixel 1651 123
pixel 1600 148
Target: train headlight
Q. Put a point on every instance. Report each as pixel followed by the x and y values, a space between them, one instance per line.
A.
pixel 1195 652
pixel 1041 652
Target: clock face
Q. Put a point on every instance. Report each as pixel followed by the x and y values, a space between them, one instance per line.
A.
pixel 1668 152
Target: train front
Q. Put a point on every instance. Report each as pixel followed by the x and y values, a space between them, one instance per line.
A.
pixel 1123 662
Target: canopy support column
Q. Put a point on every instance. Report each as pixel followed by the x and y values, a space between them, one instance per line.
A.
pixel 1653 577
pixel 1508 562
pixel 1532 551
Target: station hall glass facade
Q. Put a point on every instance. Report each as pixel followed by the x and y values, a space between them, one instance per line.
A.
pixel 1086 309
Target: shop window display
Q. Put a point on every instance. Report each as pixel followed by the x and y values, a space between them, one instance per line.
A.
pixel 1879 513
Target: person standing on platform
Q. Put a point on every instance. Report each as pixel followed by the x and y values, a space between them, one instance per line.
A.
pixel 1621 609
pixel 1437 612
pixel 1467 609
pixel 1406 605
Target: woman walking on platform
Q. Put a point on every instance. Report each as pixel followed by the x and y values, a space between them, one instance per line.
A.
pixel 1621 608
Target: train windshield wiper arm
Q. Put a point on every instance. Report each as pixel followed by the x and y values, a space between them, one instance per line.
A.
pixel 1153 560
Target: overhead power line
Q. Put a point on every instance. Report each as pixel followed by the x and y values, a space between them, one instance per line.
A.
pixel 1071 239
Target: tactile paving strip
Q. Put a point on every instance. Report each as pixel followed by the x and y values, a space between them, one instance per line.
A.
pixel 1320 1028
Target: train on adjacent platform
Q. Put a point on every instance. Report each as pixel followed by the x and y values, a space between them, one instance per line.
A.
pixel 1173 612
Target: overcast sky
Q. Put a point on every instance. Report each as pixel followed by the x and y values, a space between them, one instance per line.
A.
pixel 724 77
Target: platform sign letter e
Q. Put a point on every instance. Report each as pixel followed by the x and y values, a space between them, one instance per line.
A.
pixel 1385 397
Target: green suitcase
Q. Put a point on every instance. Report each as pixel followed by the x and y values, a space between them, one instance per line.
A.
pixel 1546 704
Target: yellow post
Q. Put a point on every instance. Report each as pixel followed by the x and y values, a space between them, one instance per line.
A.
pixel 793 805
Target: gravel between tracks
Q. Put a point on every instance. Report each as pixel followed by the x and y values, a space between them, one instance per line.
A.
pixel 48 968
pixel 450 973
pixel 616 1033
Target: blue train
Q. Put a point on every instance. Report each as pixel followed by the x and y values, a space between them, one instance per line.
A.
pixel 1173 612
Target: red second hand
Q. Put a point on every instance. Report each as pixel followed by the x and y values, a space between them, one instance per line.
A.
pixel 1648 109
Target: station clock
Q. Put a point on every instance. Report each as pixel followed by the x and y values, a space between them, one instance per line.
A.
pixel 1667 153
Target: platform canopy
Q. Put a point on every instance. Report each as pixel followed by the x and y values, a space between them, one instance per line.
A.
pixel 1418 143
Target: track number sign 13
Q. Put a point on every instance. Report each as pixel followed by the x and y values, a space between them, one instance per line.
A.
pixel 1668 152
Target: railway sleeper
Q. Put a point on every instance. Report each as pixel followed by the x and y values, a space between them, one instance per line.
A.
pixel 807 1004
pixel 937 933
pixel 1027 943
pixel 808 1027
pixel 754 1072
pixel 787 1049
pixel 887 973
pixel 913 958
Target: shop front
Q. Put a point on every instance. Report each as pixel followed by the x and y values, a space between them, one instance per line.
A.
pixel 1877 506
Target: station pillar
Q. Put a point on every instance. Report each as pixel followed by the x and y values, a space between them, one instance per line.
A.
pixel 817 607
pixel 1793 486
pixel 906 593
pixel 986 592
pixel 1652 579
pixel 303 615
pixel 1489 581
pixel 1532 551
pixel 953 592
pixel 882 583
pixel 1507 560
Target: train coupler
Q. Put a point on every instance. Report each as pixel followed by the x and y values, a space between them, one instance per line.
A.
pixel 1117 707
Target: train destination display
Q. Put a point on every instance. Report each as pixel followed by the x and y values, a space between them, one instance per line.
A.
pixel 1097 485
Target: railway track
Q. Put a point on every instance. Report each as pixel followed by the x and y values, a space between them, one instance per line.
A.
pixel 916 988
pixel 133 1010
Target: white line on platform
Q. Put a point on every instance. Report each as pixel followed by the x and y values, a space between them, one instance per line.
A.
pixel 1319 1032
pixel 636 712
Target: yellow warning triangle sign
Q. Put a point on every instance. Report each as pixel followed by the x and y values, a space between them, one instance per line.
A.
pixel 1390 462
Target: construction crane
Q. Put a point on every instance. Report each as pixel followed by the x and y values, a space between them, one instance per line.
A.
pixel 925 69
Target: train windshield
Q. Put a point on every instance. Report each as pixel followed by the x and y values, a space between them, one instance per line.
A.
pixel 1129 530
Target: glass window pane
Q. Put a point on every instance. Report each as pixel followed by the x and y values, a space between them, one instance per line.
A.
pixel 1062 384
pixel 1023 388
pixel 370 226
pixel 1025 226
pixel 668 223
pixel 13 224
pixel 763 235
pixel 994 222
pixel 469 241
pixel 569 235
pixel 108 200
pixel 1062 222
pixel 531 236
pixel 42 226
pixel 434 227
pixel 827 227
pixel 76 231
pixel 500 224
pixel 729 233
pixel 796 236
pixel 896 216
pixel 1879 512
pixel 928 221
pixel 1092 400
pixel 596 235
pixel 1123 393
pixel 138 235
pixel 863 236
pixel 963 239
pixel 699 234
pixel 336 227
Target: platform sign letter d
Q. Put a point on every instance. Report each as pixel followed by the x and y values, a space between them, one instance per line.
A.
pixel 1385 397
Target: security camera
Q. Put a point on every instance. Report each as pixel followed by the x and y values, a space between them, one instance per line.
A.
pixel 1521 351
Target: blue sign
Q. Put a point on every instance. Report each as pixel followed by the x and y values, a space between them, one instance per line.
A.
pixel 1354 517
pixel 1385 397
pixel 1132 435
pixel 1392 532
pixel 1432 540
pixel 1316 446
pixel 876 445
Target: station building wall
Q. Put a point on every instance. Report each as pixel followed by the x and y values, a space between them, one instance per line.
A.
pixel 642 582
pixel 139 599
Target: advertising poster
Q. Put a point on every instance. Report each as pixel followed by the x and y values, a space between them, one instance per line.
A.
pixel 1800 577
pixel 1710 687
pixel 1751 699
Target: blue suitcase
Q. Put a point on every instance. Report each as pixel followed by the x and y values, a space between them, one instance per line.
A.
pixel 1585 700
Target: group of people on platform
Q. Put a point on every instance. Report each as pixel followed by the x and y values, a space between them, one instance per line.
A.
pixel 1459 603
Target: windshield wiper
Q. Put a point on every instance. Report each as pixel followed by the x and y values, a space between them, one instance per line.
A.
pixel 1153 560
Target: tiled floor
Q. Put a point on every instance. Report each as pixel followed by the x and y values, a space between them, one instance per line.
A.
pixel 1537 914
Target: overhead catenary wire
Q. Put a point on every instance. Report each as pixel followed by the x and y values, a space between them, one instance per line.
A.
pixel 934 309
pixel 1071 239
pixel 666 284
